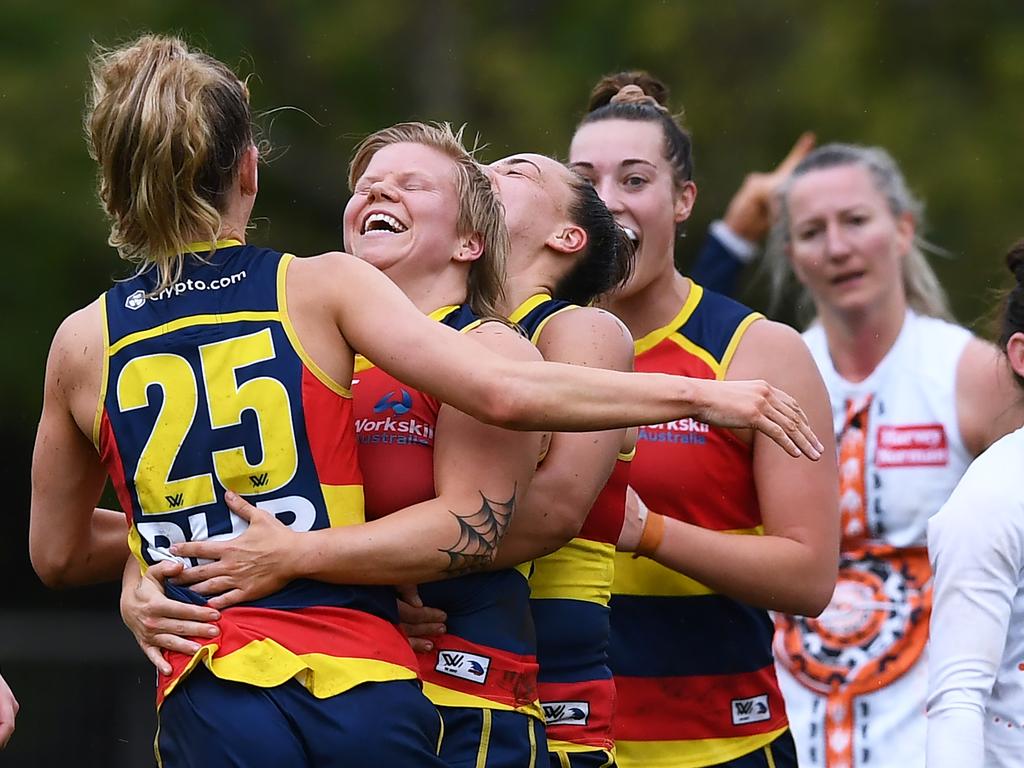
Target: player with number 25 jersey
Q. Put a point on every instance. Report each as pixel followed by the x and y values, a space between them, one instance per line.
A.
pixel 207 389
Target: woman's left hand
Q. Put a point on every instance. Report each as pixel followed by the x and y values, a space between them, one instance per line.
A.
pixel 255 564
pixel 419 622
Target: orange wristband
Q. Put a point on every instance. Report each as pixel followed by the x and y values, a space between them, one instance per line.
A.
pixel 653 533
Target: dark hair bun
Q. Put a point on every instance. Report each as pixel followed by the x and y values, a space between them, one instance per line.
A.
pixel 1015 260
pixel 609 85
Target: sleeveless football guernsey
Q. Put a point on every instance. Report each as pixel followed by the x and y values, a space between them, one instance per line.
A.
pixel 206 388
pixel 487 659
pixel 570 590
pixel 693 669
pixel 855 678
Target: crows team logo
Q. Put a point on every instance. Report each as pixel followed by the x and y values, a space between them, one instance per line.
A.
pixel 468 666
pixel 399 405
pixel 566 712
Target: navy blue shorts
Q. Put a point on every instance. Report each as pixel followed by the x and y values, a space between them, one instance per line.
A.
pixel 781 753
pixel 491 738
pixel 594 758
pixel 209 722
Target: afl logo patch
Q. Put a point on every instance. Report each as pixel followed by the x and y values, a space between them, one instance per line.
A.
pixel 566 712
pixel 752 710
pixel 467 666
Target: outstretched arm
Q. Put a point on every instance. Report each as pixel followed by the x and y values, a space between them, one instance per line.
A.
pixel 480 476
pixel 535 395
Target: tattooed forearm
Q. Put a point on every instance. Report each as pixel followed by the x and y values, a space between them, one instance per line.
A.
pixel 480 533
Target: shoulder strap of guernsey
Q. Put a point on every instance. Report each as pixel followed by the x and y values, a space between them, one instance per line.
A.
pixel 709 325
pixel 534 313
pixel 461 317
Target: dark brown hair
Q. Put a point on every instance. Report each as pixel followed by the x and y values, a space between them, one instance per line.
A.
pixel 607 261
pixel 639 96
pixel 1011 320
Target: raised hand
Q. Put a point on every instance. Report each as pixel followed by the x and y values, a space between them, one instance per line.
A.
pixel 751 210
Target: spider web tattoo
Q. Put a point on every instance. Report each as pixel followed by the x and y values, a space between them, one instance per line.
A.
pixel 480 533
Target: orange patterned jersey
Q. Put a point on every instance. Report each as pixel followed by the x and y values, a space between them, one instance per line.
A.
pixel 693 669
pixel 206 388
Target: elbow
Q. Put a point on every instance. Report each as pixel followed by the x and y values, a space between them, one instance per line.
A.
pixel 814 604
pixel 54 569
pixel 499 405
pixel 815 596
pixel 56 561
pixel 564 522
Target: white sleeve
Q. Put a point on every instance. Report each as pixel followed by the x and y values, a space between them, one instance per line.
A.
pixel 744 250
pixel 975 549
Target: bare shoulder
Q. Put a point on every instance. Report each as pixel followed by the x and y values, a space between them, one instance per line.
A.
pixel 327 270
pixel 78 341
pixel 588 336
pixel 989 402
pixel 506 341
pixel 767 349
pixel 978 356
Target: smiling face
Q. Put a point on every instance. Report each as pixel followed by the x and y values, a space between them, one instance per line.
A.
pixel 403 214
pixel 625 160
pixel 536 193
pixel 845 244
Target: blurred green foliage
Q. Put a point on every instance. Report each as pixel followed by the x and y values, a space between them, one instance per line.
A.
pixel 937 83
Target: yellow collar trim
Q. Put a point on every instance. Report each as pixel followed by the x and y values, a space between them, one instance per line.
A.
pixel 440 313
pixel 528 306
pixel 205 246
pixel 655 337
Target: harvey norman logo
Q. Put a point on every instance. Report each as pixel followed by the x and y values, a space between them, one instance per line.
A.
pixel 138 299
pixel 752 710
pixel 918 445
pixel 566 712
pixel 468 666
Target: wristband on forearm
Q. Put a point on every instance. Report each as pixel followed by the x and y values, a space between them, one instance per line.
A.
pixel 650 539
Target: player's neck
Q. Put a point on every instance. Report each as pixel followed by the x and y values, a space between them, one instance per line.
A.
pixel 430 291
pixel 859 341
pixel 651 306
pixel 521 284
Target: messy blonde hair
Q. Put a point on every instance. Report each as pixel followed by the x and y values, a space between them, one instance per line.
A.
pixel 480 211
pixel 167 126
